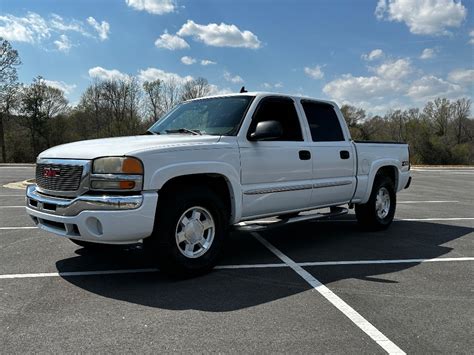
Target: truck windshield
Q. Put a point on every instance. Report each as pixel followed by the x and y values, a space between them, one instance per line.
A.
pixel 214 116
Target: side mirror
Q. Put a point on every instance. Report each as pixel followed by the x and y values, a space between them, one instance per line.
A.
pixel 267 130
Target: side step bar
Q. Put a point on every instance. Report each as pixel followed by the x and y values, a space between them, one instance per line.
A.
pixel 265 224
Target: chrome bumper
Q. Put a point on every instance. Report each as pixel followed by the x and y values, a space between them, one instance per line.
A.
pixel 72 207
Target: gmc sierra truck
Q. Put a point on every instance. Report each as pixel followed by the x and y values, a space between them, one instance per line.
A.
pixel 212 164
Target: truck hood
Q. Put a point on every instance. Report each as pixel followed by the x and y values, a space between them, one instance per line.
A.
pixel 132 145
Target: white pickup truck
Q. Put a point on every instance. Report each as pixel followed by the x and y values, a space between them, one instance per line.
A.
pixel 210 164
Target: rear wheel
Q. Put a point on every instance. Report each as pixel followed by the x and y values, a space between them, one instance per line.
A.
pixel 190 229
pixel 378 212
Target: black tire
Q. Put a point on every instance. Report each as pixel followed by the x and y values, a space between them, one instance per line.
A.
pixel 88 245
pixel 162 245
pixel 367 215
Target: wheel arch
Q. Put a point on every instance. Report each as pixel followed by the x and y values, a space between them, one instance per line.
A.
pixel 219 177
pixel 382 167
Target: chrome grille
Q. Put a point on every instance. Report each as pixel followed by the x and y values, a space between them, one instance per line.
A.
pixel 69 177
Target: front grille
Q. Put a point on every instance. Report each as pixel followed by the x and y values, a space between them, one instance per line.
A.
pixel 68 177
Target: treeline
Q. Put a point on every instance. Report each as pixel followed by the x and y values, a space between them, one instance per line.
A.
pixel 440 133
pixel 37 116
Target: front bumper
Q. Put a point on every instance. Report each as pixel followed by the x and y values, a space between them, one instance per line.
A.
pixel 103 219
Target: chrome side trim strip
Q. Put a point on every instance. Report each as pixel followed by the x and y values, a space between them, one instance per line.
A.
pixel 72 207
pixel 319 185
pixel 278 189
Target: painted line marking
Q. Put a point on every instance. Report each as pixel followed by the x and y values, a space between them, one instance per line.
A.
pixel 436 219
pixel 335 300
pixel 243 266
pixel 12 206
pixel 12 195
pixel 427 201
pixel 13 228
pixel 77 273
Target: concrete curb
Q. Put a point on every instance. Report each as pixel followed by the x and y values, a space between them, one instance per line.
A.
pixel 19 185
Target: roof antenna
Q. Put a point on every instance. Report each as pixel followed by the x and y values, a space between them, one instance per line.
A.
pixel 242 90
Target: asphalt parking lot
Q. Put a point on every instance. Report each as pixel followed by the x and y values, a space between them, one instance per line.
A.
pixel 317 287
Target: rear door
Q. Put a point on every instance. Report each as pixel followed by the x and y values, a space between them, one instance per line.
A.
pixel 276 174
pixel 333 155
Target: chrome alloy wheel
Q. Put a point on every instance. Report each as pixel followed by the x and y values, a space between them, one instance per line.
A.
pixel 195 232
pixel 382 203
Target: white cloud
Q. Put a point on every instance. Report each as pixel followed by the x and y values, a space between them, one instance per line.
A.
pixel 61 85
pixel 471 35
pixel 394 69
pixel 235 79
pixel 63 44
pixel 188 60
pixel 462 76
pixel 207 62
pixel 270 86
pixel 171 42
pixel 426 17
pixel 349 88
pixel 430 87
pixel 315 72
pixel 156 7
pixel 215 90
pixel 373 55
pixel 107 74
pixel 102 28
pixel 151 74
pixel 31 29
pixel 428 53
pixel 222 35
pixel 35 29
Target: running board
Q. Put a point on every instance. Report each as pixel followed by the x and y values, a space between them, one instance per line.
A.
pixel 265 224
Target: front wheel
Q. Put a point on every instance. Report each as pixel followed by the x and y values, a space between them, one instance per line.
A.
pixel 189 233
pixel 378 212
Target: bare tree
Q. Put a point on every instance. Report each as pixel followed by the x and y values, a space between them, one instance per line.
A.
pixel 195 88
pixel 461 110
pixel 439 112
pixel 171 95
pixel 153 96
pixel 9 60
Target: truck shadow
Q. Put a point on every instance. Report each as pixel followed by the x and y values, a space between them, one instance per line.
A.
pixel 233 289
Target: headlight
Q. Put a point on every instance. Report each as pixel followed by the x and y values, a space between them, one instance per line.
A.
pixel 117 174
pixel 117 165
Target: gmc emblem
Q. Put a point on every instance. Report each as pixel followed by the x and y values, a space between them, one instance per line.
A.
pixel 51 172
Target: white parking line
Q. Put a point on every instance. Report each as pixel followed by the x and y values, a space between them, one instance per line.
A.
pixel 427 202
pixel 13 228
pixel 336 301
pixel 436 219
pixel 242 266
pixel 12 207
pixel 76 273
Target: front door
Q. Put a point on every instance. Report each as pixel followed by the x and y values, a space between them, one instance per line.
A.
pixel 276 174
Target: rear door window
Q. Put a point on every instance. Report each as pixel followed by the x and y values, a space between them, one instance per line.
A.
pixel 323 121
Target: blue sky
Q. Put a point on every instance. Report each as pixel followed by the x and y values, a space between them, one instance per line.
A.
pixel 377 54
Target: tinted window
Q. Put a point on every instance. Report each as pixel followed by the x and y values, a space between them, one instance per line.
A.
pixel 281 110
pixel 323 122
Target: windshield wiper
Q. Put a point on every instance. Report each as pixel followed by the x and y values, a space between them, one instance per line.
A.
pixel 184 130
pixel 151 132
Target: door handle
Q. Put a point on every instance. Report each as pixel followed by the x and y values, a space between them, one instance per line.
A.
pixel 305 154
pixel 344 154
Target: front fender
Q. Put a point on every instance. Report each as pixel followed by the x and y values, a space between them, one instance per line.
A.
pixel 161 176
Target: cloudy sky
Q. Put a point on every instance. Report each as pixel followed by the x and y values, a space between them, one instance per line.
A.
pixel 377 54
